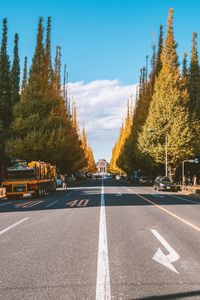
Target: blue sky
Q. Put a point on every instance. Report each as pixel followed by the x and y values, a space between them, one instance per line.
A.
pixel 101 40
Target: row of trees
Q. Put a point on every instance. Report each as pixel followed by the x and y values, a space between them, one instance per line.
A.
pixel 91 165
pixel 125 131
pixel 35 120
pixel 167 108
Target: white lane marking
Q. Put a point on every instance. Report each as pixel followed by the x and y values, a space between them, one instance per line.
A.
pixel 10 227
pixel 28 204
pixel 184 199
pixel 50 204
pixel 159 196
pixel 68 194
pixel 103 276
pixel 118 194
pixel 82 188
pixel 2 204
pixel 160 257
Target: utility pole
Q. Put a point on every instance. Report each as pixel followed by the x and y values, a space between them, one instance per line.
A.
pixel 166 155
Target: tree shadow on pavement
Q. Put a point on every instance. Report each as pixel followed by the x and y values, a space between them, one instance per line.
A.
pixel 85 196
pixel 182 295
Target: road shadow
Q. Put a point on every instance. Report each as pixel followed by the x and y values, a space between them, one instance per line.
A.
pixel 182 295
pixel 85 196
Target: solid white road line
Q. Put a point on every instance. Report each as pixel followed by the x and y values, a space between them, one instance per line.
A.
pixel 2 204
pixel 103 276
pixel 50 204
pixel 10 227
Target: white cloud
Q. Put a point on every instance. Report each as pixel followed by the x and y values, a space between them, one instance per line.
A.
pixel 101 105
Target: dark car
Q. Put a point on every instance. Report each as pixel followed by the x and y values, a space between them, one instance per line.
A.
pixel 145 180
pixel 164 184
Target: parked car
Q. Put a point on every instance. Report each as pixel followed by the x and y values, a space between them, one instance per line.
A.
pixel 164 184
pixel 59 182
pixel 117 177
pixel 90 175
pixel 70 179
pixel 145 180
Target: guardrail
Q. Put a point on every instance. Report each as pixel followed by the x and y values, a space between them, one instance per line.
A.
pixel 192 189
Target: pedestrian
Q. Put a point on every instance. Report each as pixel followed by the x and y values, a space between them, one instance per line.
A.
pixel 194 180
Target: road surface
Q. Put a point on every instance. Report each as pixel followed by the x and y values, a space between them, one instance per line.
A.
pixel 103 240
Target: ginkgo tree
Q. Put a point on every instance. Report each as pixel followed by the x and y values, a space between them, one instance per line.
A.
pixel 168 114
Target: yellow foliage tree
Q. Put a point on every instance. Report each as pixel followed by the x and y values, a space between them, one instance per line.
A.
pixel 90 162
pixel 123 136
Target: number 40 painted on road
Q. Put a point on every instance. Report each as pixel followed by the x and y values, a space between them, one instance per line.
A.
pixel 78 203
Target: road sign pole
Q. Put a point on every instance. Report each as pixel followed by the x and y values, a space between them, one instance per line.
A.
pixel 166 156
pixel 183 171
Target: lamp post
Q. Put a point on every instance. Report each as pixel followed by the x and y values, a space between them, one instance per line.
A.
pixel 166 155
pixel 166 151
pixel 195 160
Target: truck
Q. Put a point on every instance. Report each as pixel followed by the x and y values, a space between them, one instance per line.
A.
pixel 35 178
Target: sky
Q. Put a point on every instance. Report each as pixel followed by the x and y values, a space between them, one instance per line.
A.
pixel 104 44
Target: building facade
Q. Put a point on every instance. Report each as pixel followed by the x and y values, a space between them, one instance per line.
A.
pixel 102 167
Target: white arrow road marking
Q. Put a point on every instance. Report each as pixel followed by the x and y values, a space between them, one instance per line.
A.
pixel 118 194
pixel 163 259
pixel 10 227
pixel 103 275
pixel 159 196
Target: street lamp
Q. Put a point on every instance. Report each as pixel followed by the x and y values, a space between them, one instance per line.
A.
pixel 166 151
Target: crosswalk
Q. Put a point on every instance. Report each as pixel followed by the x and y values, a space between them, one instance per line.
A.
pixel 28 204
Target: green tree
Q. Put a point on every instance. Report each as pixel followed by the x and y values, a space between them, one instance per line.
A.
pixel 15 74
pixel 5 94
pixel 33 123
pixel 25 76
pixel 194 79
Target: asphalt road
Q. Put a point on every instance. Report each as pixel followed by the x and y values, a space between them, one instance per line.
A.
pixel 101 241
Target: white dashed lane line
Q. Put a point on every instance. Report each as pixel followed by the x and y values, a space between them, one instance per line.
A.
pixel 51 204
pixel 12 226
pixel 2 204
